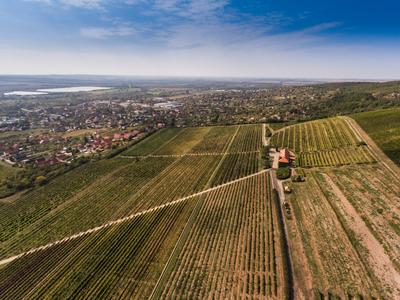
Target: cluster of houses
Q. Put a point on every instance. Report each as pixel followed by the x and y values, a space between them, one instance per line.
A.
pixel 49 149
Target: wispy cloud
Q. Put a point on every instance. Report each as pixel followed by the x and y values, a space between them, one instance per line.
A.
pixel 83 3
pixel 48 2
pixel 90 4
pixel 106 32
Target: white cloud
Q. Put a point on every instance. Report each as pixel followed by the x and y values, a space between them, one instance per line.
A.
pixel 105 32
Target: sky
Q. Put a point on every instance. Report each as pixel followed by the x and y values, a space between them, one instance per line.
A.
pixel 350 39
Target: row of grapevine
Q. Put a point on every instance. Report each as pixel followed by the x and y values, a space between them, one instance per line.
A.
pixel 333 262
pixel 316 136
pixel 216 140
pixel 376 200
pixel 183 143
pixel 336 157
pixel 153 142
pixel 123 261
pixel 138 187
pixel 248 138
pixel 231 250
pixel 17 215
pixel 235 166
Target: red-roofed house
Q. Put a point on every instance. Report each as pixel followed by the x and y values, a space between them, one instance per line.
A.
pixel 286 157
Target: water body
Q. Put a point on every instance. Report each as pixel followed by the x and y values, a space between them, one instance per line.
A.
pixel 22 93
pixel 74 89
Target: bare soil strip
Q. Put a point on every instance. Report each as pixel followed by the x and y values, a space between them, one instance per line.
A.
pixel 118 221
pixel 382 265
pixel 264 132
pixel 187 154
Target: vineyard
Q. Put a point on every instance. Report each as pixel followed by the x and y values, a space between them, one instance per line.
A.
pixel 187 213
pixel 140 186
pixel 235 166
pixel 329 142
pixel 343 261
pixel 337 157
pixel 153 142
pixel 112 189
pixel 123 261
pixel 247 139
pixel 17 215
pixel 231 250
pixel 237 223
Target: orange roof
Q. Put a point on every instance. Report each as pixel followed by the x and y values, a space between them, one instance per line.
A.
pixel 284 153
pixel 284 160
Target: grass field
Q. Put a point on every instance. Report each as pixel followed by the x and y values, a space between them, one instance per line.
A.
pixel 383 126
pixel 328 142
pixel 6 171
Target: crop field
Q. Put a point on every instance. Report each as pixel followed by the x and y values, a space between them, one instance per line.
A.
pixel 344 235
pixel 216 140
pixel 139 186
pixel 123 261
pixel 184 141
pixel 231 250
pixel 112 189
pixel 247 139
pixel 235 166
pixel 153 142
pixel 337 157
pixel 188 214
pixel 17 215
pixel 329 142
pixel 383 126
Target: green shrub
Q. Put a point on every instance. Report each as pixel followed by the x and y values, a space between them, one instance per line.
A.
pixel 298 178
pixel 283 173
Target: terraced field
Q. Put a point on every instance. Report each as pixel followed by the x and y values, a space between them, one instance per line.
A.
pixel 329 142
pixel 344 234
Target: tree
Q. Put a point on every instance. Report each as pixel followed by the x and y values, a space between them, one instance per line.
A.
pixel 41 180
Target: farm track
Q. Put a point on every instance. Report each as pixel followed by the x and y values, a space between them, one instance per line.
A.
pixel 121 220
pixel 287 243
pixel 186 154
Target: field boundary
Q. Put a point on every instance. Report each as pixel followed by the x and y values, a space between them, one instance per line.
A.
pixel 129 217
pixel 187 154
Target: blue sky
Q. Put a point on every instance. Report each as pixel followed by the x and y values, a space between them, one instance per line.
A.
pixel 304 38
